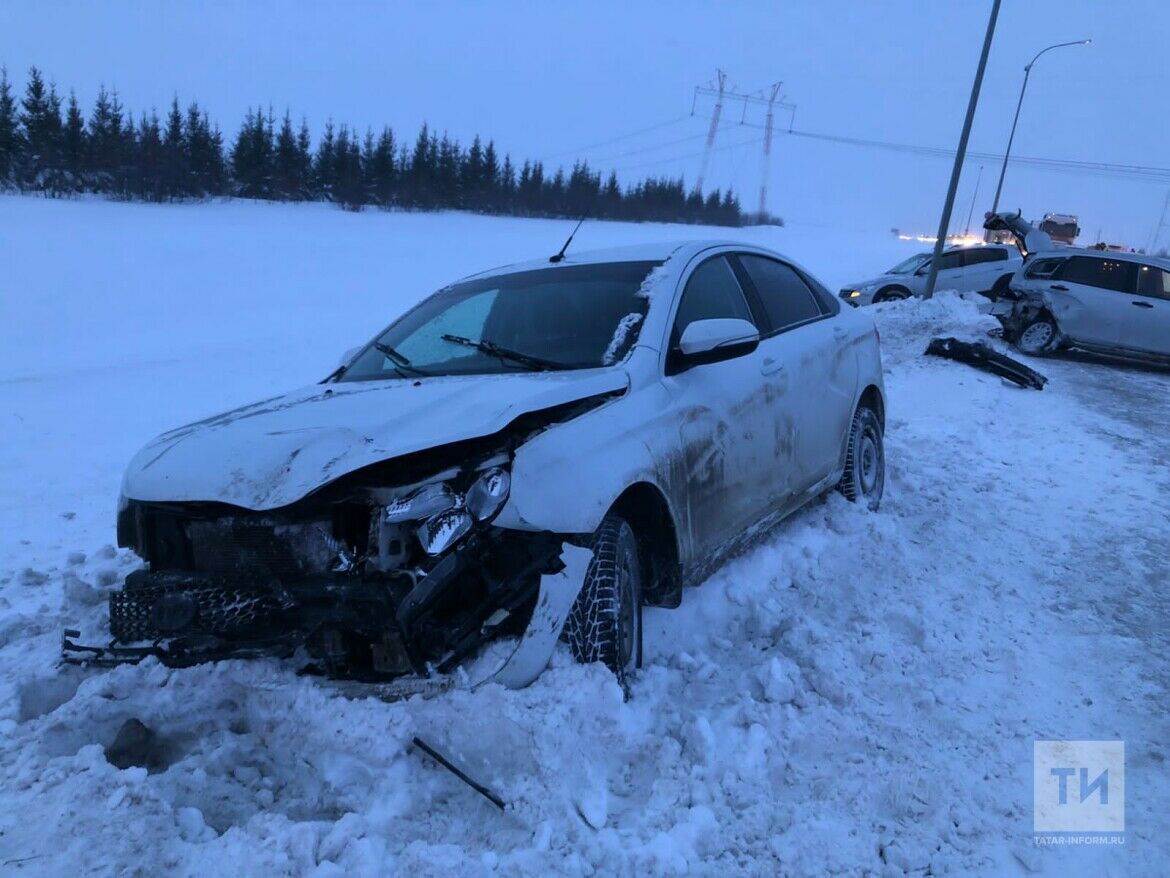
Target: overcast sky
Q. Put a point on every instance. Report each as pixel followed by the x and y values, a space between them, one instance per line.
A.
pixel 548 80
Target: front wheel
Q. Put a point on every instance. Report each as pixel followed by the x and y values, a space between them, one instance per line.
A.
pixel 894 294
pixel 605 623
pixel 1039 337
pixel 864 479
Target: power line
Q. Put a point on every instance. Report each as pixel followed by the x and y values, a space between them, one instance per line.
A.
pixel 691 155
pixel 617 139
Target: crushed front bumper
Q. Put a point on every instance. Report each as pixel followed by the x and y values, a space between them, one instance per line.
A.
pixel 353 627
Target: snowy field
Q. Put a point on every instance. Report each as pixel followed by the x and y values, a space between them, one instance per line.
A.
pixel 859 694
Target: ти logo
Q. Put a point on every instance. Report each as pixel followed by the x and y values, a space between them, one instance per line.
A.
pixel 1079 786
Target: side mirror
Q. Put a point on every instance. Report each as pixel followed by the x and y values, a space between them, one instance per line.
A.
pixel 923 269
pixel 348 356
pixel 710 341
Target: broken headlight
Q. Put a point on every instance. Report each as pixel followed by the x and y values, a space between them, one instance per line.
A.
pixel 488 493
pixel 440 532
pixel 447 514
pixel 426 501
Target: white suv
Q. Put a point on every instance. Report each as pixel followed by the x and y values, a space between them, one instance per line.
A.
pixel 985 268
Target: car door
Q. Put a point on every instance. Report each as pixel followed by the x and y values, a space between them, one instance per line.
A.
pixel 725 461
pixel 983 267
pixel 1152 304
pixel 1090 300
pixel 814 378
pixel 950 271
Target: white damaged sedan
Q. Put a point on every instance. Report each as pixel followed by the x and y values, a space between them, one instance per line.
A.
pixel 654 407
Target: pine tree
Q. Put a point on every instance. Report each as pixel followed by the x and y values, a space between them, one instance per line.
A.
pixel 174 155
pixel 325 164
pixel 381 173
pixel 41 122
pixel 150 166
pixel 10 139
pixel 287 183
pixel 251 158
pixel 73 145
pixel 490 179
pixel 471 177
pixel 347 173
pixel 305 161
pixel 507 187
pixel 420 169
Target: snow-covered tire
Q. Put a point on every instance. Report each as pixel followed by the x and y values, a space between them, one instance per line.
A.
pixel 1039 337
pixel 605 623
pixel 864 479
pixel 891 294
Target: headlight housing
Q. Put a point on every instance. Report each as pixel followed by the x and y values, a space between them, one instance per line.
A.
pixel 440 532
pixel 488 493
pixel 446 514
pixel 426 501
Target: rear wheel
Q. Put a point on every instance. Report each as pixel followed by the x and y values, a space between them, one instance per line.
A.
pixel 864 479
pixel 1039 337
pixel 605 623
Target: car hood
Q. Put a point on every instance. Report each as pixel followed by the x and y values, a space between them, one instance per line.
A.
pixel 272 453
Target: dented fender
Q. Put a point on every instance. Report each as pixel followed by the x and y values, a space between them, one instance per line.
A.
pixel 566 478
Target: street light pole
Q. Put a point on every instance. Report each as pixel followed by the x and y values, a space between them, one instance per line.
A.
pixel 960 154
pixel 1020 103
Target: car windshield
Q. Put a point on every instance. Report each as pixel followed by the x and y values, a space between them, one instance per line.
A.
pixel 568 317
pixel 911 265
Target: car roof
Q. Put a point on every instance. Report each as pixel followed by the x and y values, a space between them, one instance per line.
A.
pixel 663 251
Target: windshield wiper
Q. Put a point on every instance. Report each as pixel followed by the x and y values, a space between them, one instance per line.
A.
pixel 400 362
pixel 490 347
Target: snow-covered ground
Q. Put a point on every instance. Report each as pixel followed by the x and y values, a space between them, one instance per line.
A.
pixel 858 694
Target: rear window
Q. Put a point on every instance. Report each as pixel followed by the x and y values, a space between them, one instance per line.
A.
pixel 786 298
pixel 1105 274
pixel 980 255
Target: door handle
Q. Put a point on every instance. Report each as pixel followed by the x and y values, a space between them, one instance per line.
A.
pixel 771 366
pixel 1142 304
pixel 1058 287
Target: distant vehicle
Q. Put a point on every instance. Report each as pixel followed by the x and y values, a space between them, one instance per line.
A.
pixel 1099 301
pixel 984 268
pixel 1063 228
pixel 653 406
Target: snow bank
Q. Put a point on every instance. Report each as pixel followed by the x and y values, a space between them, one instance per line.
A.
pixel 857 694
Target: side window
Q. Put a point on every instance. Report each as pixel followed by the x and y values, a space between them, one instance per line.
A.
pixel 787 299
pixel 1105 274
pixel 977 256
pixel 1153 281
pixel 1043 268
pixel 712 292
pixel 950 259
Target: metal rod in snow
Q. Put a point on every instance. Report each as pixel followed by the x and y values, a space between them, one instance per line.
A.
pixel 447 764
pixel 945 222
pixel 721 77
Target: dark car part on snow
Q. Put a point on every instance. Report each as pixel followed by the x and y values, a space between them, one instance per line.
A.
pixel 455 770
pixel 134 745
pixel 981 356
